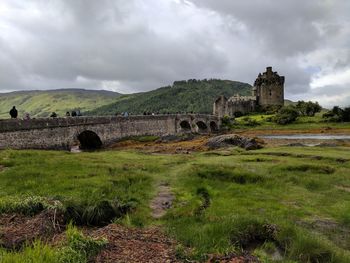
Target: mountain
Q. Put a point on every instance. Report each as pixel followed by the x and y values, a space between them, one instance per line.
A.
pixel 42 103
pixel 182 96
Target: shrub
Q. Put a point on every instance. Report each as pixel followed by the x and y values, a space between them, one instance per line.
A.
pixel 308 108
pixel 337 114
pixel 238 114
pixel 227 121
pixel 286 115
pixel 247 121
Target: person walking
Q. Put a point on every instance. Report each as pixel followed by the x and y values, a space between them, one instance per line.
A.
pixel 13 113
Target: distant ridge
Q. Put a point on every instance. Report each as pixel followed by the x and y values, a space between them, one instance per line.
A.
pixel 39 103
pixel 183 96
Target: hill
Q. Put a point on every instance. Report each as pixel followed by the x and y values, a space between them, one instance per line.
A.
pixel 42 103
pixel 182 96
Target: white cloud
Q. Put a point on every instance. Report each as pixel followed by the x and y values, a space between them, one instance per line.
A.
pixel 331 79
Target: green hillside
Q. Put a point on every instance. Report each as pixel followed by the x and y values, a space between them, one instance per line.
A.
pixel 182 96
pixel 42 103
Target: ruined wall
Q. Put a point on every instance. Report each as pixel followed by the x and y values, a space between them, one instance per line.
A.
pixel 243 106
pixel 220 107
pixel 62 133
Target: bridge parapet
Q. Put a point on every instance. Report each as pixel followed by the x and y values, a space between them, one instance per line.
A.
pixel 44 123
pixel 61 133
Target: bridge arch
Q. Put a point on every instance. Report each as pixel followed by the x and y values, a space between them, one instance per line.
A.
pixel 185 126
pixel 202 127
pixel 89 140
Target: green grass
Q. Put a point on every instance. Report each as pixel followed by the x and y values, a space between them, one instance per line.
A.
pixel 281 197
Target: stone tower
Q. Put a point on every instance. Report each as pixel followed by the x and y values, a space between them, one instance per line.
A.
pixel 269 89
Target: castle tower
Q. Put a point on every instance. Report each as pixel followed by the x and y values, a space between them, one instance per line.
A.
pixel 269 88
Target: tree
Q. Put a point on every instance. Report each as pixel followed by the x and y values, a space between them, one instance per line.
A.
pixel 308 108
pixel 338 114
pixel 286 115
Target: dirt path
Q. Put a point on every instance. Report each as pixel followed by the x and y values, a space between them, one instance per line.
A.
pixel 135 245
pixel 162 202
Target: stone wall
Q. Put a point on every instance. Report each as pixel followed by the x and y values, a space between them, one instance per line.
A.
pixel 243 106
pixel 62 133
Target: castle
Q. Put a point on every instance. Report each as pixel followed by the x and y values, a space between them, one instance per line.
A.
pixel 268 91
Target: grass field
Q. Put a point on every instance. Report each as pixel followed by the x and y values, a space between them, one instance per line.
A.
pixel 290 200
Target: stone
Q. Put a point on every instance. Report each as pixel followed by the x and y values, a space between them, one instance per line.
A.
pixel 229 140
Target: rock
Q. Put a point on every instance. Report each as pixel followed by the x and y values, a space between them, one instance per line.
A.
pixel 296 144
pixel 327 144
pixel 229 140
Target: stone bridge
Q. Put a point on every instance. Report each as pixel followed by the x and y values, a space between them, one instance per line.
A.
pixel 96 132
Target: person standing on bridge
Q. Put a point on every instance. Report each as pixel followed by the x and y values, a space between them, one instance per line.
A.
pixel 13 113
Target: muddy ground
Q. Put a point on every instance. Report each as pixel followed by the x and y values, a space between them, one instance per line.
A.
pixel 198 143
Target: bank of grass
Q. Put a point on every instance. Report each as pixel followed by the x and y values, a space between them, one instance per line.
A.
pixel 292 199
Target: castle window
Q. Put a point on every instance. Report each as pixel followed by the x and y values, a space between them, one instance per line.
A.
pixel 270 93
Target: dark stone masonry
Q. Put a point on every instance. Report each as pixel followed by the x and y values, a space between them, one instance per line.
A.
pixel 268 91
pixel 63 133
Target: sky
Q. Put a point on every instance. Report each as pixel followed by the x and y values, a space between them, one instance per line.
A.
pixel 140 45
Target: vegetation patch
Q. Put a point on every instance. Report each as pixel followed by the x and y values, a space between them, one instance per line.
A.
pixel 304 246
pixel 225 173
pixel 205 199
pixel 250 233
pixel 100 214
pixel 78 249
pixel 322 169
pixel 28 205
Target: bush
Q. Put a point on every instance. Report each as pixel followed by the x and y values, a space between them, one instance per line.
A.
pixel 286 115
pixel 227 121
pixel 337 114
pixel 247 121
pixel 238 114
pixel 308 108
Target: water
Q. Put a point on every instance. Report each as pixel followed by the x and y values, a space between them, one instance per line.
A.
pixel 307 136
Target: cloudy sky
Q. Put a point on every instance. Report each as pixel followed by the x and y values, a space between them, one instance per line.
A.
pixel 138 45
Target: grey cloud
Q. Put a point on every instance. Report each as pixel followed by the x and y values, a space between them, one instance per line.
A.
pixel 284 27
pixel 138 45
